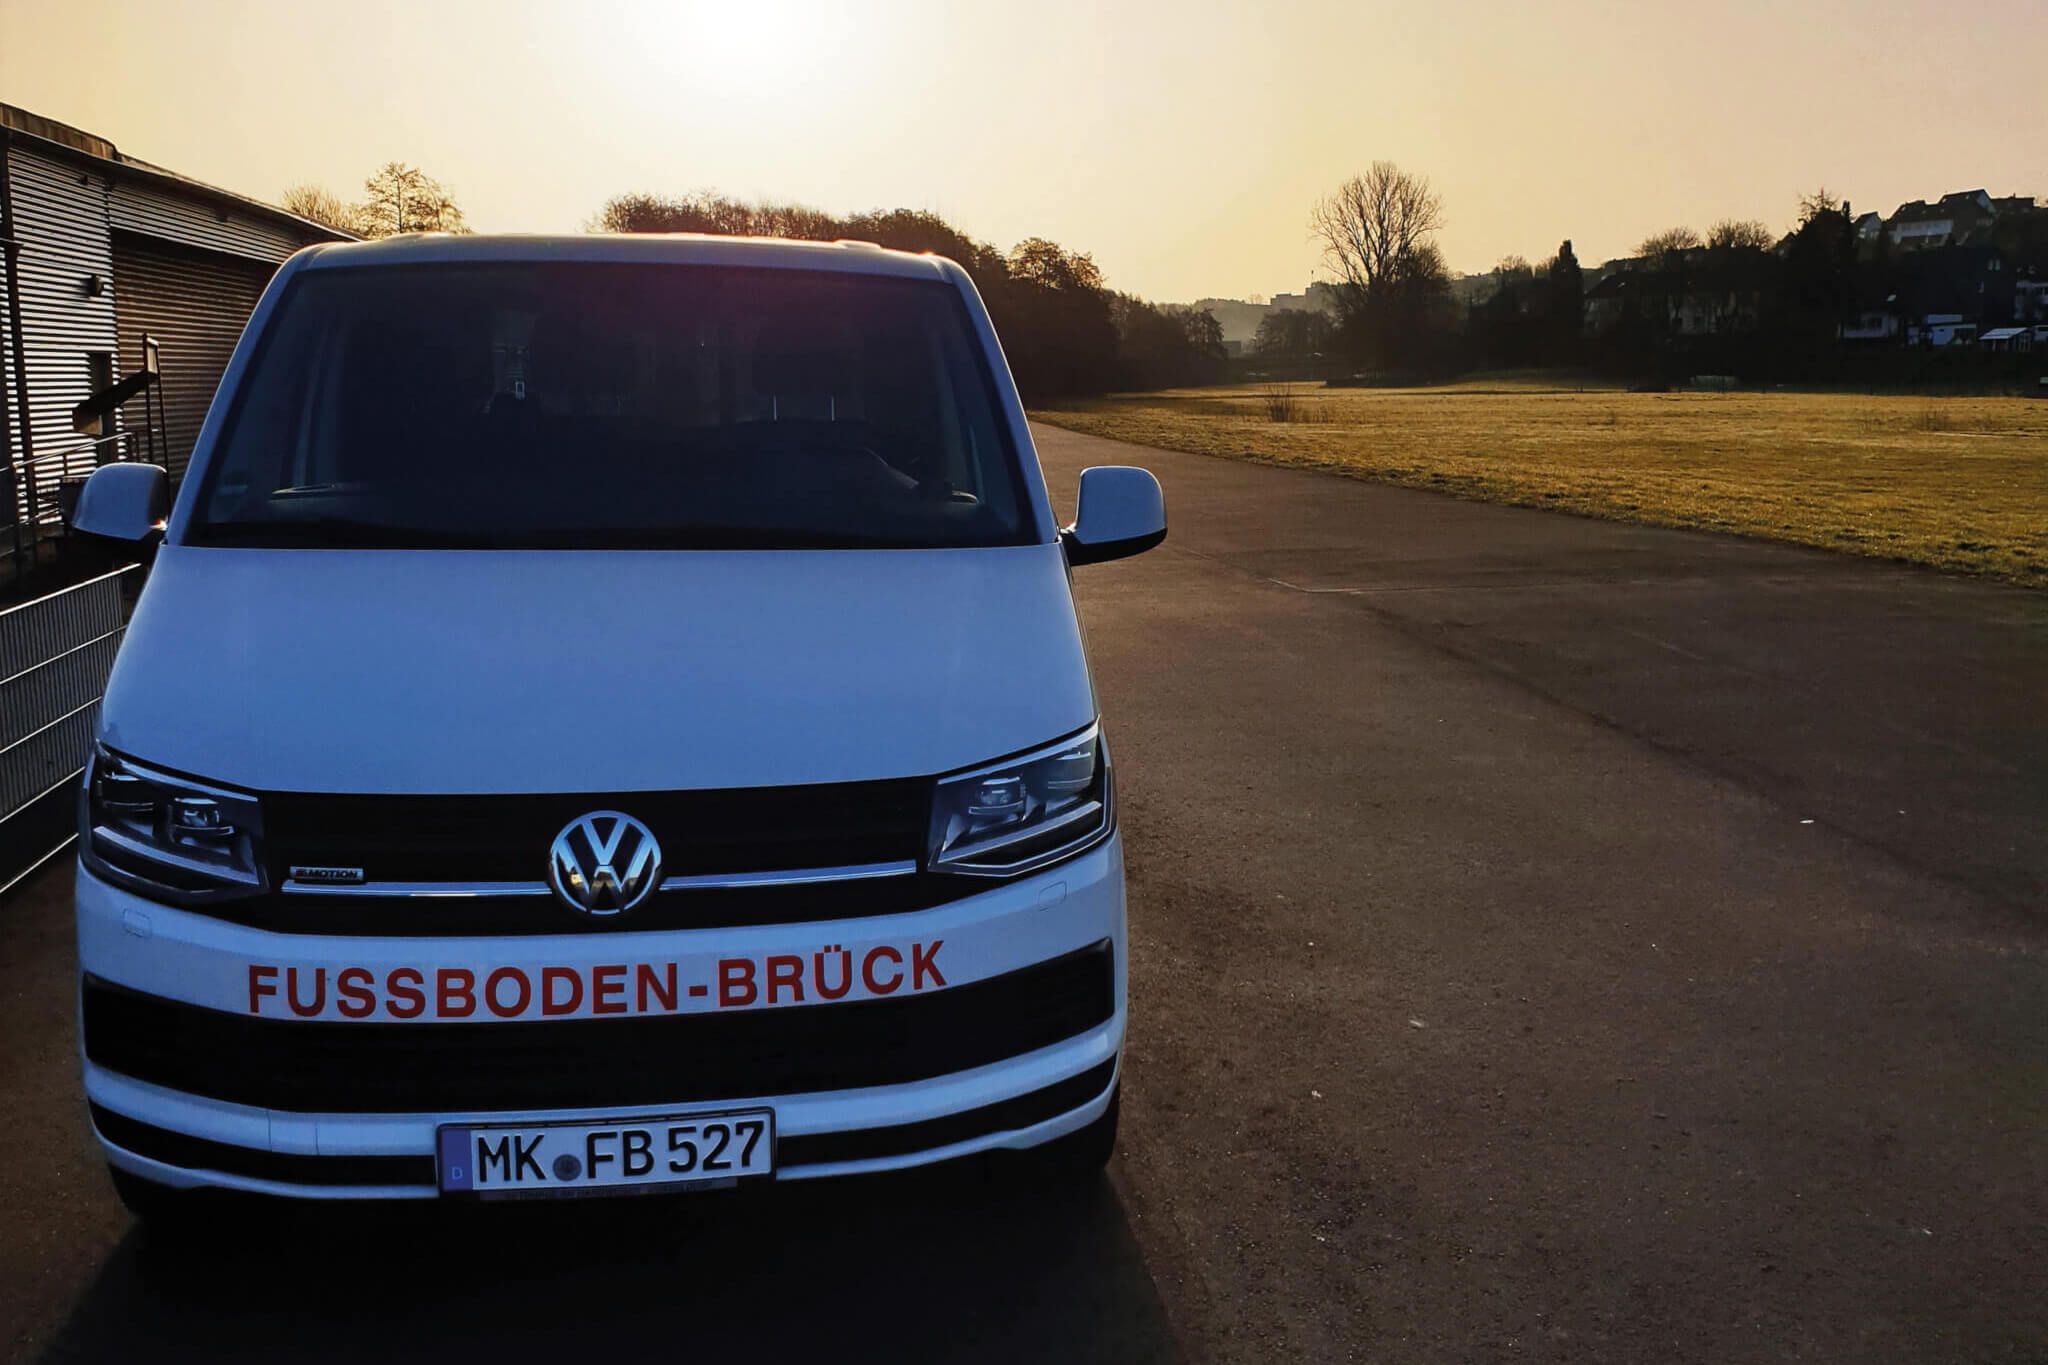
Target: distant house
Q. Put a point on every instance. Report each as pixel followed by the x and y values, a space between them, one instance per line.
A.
pixel 1724 293
pixel 1703 292
pixel 1964 283
pixel 1875 324
pixel 1941 329
pixel 1961 218
pixel 1609 299
pixel 2019 340
pixel 2030 301
pixel 114 266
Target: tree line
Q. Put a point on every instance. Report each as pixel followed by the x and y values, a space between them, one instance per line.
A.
pixel 396 198
pixel 1063 329
pixel 1736 299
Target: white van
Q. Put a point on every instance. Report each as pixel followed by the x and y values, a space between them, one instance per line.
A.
pixel 605 713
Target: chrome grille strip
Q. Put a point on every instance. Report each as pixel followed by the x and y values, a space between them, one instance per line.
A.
pixel 801 876
pixel 804 876
pixel 422 890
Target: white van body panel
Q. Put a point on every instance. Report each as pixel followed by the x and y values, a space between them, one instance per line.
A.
pixel 537 671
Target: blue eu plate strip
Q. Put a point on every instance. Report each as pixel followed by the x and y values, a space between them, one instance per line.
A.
pixel 455 1160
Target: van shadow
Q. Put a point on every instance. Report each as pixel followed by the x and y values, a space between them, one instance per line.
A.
pixel 955 1264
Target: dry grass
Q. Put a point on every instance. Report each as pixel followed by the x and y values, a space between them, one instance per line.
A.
pixel 1285 403
pixel 1959 483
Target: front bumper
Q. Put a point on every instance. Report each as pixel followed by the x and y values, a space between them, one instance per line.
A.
pixel 290 1122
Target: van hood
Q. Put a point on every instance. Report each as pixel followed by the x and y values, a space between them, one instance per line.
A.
pixel 458 671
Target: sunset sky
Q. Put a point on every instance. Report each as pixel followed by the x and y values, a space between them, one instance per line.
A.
pixel 1179 142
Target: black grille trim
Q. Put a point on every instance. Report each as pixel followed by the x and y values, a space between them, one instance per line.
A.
pixel 861 1144
pixel 326 1067
pixel 291 1168
pixel 900 1139
pixel 505 838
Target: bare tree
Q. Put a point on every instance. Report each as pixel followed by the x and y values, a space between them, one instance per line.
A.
pixel 1513 269
pixel 1812 206
pixel 1731 234
pixel 1669 242
pixel 1038 261
pixel 1292 333
pixel 1376 226
pixel 704 211
pixel 322 206
pixel 796 221
pixel 402 198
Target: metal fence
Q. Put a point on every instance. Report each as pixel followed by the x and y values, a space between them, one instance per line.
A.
pixel 55 654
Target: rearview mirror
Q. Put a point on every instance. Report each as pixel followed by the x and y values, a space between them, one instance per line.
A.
pixel 1120 512
pixel 123 502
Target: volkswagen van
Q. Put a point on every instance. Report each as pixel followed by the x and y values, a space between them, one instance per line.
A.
pixel 605 714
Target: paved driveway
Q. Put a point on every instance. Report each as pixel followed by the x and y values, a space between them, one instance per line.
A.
pixel 1552 940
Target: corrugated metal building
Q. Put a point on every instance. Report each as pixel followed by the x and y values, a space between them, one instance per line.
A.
pixel 102 251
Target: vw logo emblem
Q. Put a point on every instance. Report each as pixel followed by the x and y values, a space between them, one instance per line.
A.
pixel 604 863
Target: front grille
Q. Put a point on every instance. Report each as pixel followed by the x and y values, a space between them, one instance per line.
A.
pixel 583 1063
pixel 505 838
pixel 494 916
pixel 465 840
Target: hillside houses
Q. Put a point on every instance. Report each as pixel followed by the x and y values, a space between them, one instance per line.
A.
pixel 1944 273
pixel 1952 272
pixel 1703 292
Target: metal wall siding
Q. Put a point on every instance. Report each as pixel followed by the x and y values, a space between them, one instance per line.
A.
pixel 195 304
pixel 60 218
pixel 143 208
pixel 10 439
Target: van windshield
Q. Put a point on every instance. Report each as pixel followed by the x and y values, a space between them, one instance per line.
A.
pixel 600 406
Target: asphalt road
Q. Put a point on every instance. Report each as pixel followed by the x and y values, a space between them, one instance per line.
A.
pixel 1552 940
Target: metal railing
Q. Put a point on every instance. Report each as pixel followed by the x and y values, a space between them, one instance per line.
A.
pixel 55 654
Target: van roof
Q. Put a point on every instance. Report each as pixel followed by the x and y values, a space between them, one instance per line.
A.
pixel 681 248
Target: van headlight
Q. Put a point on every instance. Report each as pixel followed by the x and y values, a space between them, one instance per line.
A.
pixel 1015 817
pixel 169 837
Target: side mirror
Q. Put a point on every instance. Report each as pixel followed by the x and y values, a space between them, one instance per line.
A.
pixel 1120 512
pixel 123 502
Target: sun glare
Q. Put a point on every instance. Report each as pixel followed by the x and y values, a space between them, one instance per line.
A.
pixel 745 31
pixel 744 49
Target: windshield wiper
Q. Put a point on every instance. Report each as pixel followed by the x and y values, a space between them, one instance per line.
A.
pixel 341 533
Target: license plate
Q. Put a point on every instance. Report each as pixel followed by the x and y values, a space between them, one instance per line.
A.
pixel 607 1156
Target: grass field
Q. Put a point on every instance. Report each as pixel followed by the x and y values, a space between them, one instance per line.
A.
pixel 1959 483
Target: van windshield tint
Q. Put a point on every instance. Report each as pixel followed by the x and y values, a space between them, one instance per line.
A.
pixel 597 406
